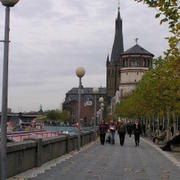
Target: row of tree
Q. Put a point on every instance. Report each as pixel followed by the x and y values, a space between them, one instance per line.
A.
pixel 157 96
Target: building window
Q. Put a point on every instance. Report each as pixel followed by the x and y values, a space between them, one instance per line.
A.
pixel 134 62
pixel 125 62
pixel 145 62
pixel 138 63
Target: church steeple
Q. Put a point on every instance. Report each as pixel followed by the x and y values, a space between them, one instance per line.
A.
pixel 118 8
pixel 107 61
pixel 118 47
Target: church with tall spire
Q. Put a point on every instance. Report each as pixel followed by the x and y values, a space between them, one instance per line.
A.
pixel 124 69
pixel 118 46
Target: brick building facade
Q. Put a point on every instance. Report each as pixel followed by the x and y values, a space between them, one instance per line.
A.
pixel 87 104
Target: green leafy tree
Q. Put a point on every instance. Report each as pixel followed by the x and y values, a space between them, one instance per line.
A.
pixel 65 116
pixel 168 11
pixel 53 115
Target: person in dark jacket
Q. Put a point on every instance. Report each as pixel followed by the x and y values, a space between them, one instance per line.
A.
pixel 121 131
pixel 173 141
pixel 102 132
pixel 129 128
pixel 137 132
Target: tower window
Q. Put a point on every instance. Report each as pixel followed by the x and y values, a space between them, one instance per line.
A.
pixel 145 62
pixel 125 62
pixel 134 62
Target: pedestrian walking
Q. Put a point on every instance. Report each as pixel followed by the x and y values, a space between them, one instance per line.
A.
pixel 102 132
pixel 137 132
pixel 129 128
pixel 112 128
pixel 121 128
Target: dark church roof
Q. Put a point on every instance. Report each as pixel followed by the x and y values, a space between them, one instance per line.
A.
pixel 137 49
pixel 118 47
pixel 87 90
pixel 87 93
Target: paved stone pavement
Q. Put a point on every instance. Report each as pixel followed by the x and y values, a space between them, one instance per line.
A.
pixel 113 162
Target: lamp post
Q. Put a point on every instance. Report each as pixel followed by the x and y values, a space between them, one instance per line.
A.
pixel 95 92
pixel 7 4
pixel 102 109
pixel 101 100
pixel 80 72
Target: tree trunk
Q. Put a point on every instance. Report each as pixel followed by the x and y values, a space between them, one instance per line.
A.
pixel 174 123
pixel 168 125
pixel 163 123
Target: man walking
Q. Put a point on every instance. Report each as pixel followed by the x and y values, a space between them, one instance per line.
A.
pixel 137 132
pixel 121 131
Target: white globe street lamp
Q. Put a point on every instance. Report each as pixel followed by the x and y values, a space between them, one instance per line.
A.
pixel 101 99
pixel 80 72
pixel 95 92
pixel 7 4
pixel 102 105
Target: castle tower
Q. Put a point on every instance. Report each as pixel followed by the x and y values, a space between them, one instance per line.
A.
pixel 113 64
pixel 135 62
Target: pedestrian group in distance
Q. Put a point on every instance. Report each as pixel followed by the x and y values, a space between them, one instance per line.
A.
pixel 107 131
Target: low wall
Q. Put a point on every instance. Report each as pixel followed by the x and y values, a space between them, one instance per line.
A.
pixel 33 153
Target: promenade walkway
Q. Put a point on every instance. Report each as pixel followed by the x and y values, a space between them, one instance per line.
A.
pixel 115 163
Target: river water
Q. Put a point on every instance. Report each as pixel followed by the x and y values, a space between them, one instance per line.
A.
pixel 66 130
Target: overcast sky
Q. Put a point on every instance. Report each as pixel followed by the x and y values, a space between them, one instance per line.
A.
pixel 51 38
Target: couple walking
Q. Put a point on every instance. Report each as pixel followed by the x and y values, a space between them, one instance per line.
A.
pixel 136 128
pixel 110 129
